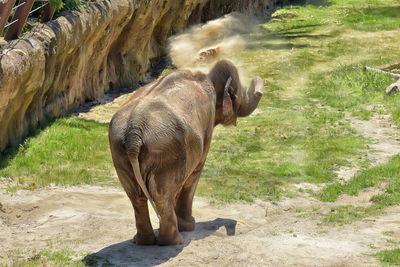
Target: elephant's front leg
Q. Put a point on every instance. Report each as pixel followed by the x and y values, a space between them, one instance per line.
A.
pixel 184 202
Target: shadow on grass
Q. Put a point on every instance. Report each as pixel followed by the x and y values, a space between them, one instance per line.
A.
pixel 288 35
pixel 129 254
pixel 278 46
pixel 296 35
pixel 8 154
pixel 317 3
pixel 284 36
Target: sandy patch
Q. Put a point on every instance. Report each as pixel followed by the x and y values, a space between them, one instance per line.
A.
pixel 385 142
pixel 100 220
pixel 383 134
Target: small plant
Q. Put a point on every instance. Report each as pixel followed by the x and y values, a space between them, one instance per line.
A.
pixel 343 214
pixel 66 4
pixel 63 257
pixel 388 233
pixel 389 256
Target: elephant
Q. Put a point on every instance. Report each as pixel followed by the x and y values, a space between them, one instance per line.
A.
pixel 160 138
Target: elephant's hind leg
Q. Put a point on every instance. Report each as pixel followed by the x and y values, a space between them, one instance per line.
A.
pixel 145 234
pixel 169 234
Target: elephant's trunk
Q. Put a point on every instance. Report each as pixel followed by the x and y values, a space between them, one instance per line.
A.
pixel 251 97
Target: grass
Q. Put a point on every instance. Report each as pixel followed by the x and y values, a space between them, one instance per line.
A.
pixel 374 17
pixel 349 88
pixel 391 257
pixel 304 59
pixel 369 15
pixel 68 151
pixel 259 157
pixel 388 233
pixel 341 215
pixel 389 172
pixel 63 257
pixel 347 214
pixel 311 58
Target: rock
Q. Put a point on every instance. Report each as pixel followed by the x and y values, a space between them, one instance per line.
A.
pixel 393 88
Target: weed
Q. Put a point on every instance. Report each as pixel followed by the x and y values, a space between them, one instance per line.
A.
pixel 372 246
pixel 63 257
pixel 95 260
pixel 388 233
pixel 347 214
pixel 389 256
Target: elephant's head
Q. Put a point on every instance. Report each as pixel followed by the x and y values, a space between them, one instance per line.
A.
pixel 233 99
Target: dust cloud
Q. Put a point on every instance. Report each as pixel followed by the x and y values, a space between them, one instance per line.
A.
pixel 199 47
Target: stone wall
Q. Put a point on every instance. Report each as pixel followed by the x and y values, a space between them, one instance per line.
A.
pixel 81 55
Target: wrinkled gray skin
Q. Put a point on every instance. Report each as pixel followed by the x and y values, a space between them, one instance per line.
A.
pixel 163 133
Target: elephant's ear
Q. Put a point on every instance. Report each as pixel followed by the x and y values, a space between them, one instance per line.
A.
pixel 227 107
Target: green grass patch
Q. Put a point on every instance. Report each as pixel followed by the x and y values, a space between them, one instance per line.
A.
pixel 375 17
pixel 369 15
pixel 342 215
pixel 389 172
pixel 68 151
pixel 389 256
pixel 362 113
pixel 277 146
pixel 349 87
pixel 391 195
pixel 63 257
pixel 318 140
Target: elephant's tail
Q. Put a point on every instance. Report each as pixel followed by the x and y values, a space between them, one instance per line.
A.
pixel 136 169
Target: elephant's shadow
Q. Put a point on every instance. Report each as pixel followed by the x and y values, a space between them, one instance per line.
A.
pixel 129 254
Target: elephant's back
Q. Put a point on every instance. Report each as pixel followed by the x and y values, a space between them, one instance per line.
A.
pixel 167 137
pixel 168 122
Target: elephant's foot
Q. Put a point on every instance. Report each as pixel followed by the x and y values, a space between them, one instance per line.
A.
pixel 186 224
pixel 175 239
pixel 146 240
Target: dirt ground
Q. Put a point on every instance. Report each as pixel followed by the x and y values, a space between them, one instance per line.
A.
pixel 99 221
